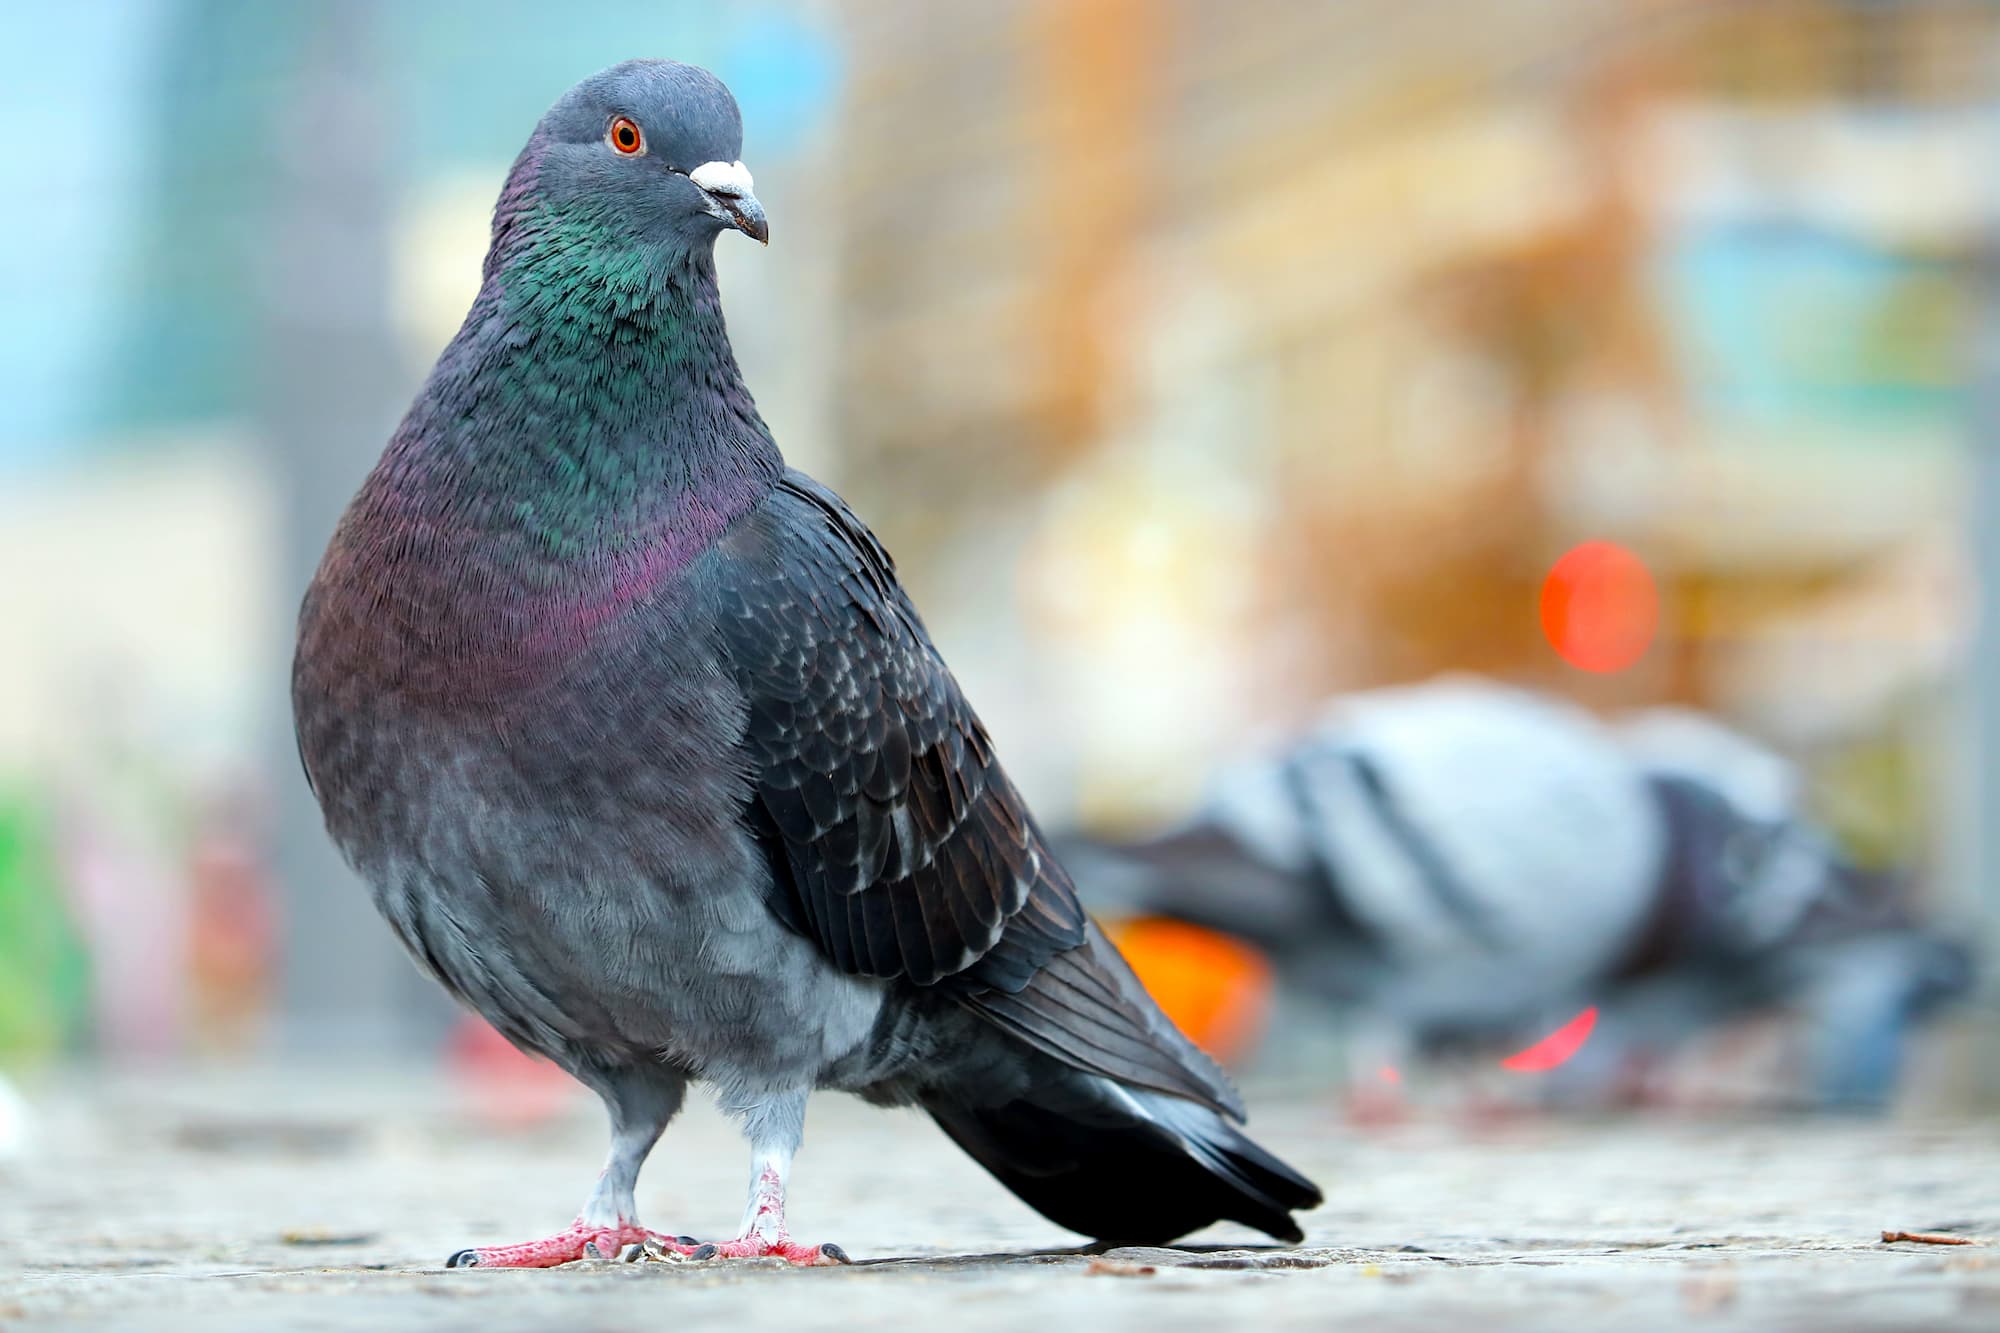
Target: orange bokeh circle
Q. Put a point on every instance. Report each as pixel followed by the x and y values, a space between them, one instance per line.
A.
pixel 1600 607
pixel 1216 988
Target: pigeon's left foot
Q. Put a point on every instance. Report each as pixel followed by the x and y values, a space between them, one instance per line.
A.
pixel 779 1246
pixel 581 1240
pixel 764 1234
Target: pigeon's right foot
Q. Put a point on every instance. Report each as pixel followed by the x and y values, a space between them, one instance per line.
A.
pixel 582 1240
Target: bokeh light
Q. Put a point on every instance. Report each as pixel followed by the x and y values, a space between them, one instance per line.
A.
pixel 1555 1049
pixel 1600 607
pixel 1215 988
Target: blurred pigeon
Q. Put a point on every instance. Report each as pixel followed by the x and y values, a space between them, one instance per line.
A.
pixel 1755 913
pixel 1673 742
pixel 648 759
pixel 1473 862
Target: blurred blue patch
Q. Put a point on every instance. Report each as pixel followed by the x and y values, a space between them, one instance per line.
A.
pixel 473 76
pixel 59 271
pixel 1786 324
pixel 785 73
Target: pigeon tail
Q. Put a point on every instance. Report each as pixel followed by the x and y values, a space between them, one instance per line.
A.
pixel 1125 1165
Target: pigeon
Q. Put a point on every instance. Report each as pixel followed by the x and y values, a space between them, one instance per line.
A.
pixel 1449 855
pixel 646 756
pixel 1463 864
pixel 1758 911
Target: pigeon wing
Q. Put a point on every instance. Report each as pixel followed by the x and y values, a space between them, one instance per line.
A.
pixel 897 841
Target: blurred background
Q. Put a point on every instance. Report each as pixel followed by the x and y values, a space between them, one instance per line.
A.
pixel 1203 364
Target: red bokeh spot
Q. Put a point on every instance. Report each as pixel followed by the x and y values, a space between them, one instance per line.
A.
pixel 504 1086
pixel 1556 1048
pixel 1600 607
pixel 1389 1074
pixel 1216 988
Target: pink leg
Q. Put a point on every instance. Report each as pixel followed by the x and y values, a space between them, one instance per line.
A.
pixel 764 1234
pixel 609 1221
pixel 580 1240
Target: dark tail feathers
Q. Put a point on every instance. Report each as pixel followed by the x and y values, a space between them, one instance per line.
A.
pixel 1128 1166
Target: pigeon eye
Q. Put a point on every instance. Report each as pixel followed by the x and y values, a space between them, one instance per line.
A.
pixel 626 137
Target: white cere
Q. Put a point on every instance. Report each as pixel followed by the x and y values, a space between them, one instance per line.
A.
pixel 722 177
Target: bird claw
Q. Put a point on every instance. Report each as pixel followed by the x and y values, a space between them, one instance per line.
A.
pixel 622 1244
pixel 776 1247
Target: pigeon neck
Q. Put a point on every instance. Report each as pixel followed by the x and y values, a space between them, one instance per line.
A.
pixel 592 399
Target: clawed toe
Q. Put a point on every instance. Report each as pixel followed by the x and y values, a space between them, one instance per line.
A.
pixel 757 1247
pixel 623 1244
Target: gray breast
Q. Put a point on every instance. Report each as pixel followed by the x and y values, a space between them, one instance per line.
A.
pixel 571 862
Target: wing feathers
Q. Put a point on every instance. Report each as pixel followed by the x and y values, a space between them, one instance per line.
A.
pixel 899 843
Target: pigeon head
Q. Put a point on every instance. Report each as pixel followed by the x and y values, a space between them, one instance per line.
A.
pixel 648 152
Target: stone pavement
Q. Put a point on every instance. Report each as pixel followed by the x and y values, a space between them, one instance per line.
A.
pixel 255 1201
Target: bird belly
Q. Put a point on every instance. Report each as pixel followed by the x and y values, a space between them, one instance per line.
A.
pixel 598 904
pixel 581 951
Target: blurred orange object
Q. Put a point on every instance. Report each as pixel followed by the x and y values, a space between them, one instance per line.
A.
pixel 1600 607
pixel 1216 988
pixel 504 1085
pixel 1556 1048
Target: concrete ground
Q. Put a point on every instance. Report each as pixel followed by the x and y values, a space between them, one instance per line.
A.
pixel 259 1202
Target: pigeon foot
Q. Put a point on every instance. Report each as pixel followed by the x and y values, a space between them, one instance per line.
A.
pixel 779 1246
pixel 581 1240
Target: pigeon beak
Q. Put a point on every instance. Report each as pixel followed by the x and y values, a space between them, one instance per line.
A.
pixel 727 185
pixel 747 215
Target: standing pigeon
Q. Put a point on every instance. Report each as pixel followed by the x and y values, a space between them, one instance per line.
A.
pixel 647 757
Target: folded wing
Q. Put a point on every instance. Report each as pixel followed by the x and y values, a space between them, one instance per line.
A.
pixel 898 844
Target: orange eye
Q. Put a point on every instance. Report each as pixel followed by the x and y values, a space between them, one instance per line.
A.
pixel 626 137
